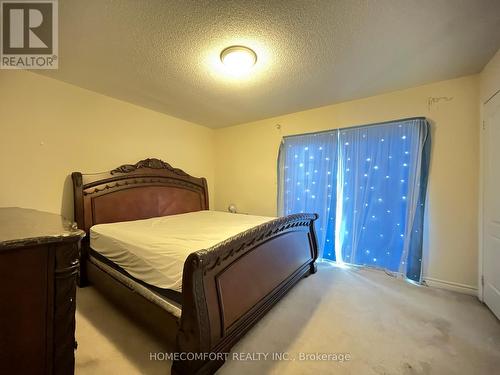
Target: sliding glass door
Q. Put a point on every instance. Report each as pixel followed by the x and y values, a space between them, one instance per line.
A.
pixel 372 191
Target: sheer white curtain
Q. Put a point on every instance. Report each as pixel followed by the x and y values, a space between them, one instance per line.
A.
pixel 307 182
pixel 368 186
pixel 379 195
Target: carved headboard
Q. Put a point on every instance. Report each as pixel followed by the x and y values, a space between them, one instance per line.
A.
pixel 149 188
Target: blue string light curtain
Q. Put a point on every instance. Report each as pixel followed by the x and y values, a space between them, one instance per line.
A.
pixel 308 182
pixel 371 183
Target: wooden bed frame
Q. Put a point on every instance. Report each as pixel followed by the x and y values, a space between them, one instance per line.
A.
pixel 226 289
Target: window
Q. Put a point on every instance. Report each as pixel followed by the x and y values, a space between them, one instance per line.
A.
pixel 368 185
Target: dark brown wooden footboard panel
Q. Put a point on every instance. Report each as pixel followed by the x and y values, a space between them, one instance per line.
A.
pixel 226 289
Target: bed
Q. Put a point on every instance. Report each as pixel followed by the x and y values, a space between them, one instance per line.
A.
pixel 209 295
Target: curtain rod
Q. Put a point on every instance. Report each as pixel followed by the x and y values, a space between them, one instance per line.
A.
pixel 357 126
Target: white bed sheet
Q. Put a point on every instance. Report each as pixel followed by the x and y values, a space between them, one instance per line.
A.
pixel 154 250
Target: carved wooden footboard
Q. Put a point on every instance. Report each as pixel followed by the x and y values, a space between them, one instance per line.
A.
pixel 225 289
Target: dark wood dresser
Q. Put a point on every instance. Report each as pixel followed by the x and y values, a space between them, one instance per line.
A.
pixel 38 268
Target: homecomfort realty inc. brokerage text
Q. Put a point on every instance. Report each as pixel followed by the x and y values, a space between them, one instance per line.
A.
pixel 250 356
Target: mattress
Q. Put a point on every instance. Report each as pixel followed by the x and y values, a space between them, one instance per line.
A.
pixel 154 250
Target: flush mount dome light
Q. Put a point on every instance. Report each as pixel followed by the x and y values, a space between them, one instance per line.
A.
pixel 238 59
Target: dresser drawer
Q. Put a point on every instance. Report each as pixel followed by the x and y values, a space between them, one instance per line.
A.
pixel 66 270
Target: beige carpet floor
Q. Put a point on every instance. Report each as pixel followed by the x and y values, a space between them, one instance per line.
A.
pixel 386 326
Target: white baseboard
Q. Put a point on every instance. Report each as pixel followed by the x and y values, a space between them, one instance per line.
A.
pixel 451 285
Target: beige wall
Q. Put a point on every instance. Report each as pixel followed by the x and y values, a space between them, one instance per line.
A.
pixel 49 129
pixel 490 78
pixel 245 160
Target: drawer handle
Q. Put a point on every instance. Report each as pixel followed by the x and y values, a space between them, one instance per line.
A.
pixel 72 269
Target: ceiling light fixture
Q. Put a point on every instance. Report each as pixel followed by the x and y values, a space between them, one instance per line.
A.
pixel 238 60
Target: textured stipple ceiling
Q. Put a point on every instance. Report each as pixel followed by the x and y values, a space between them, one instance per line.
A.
pixel 163 54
